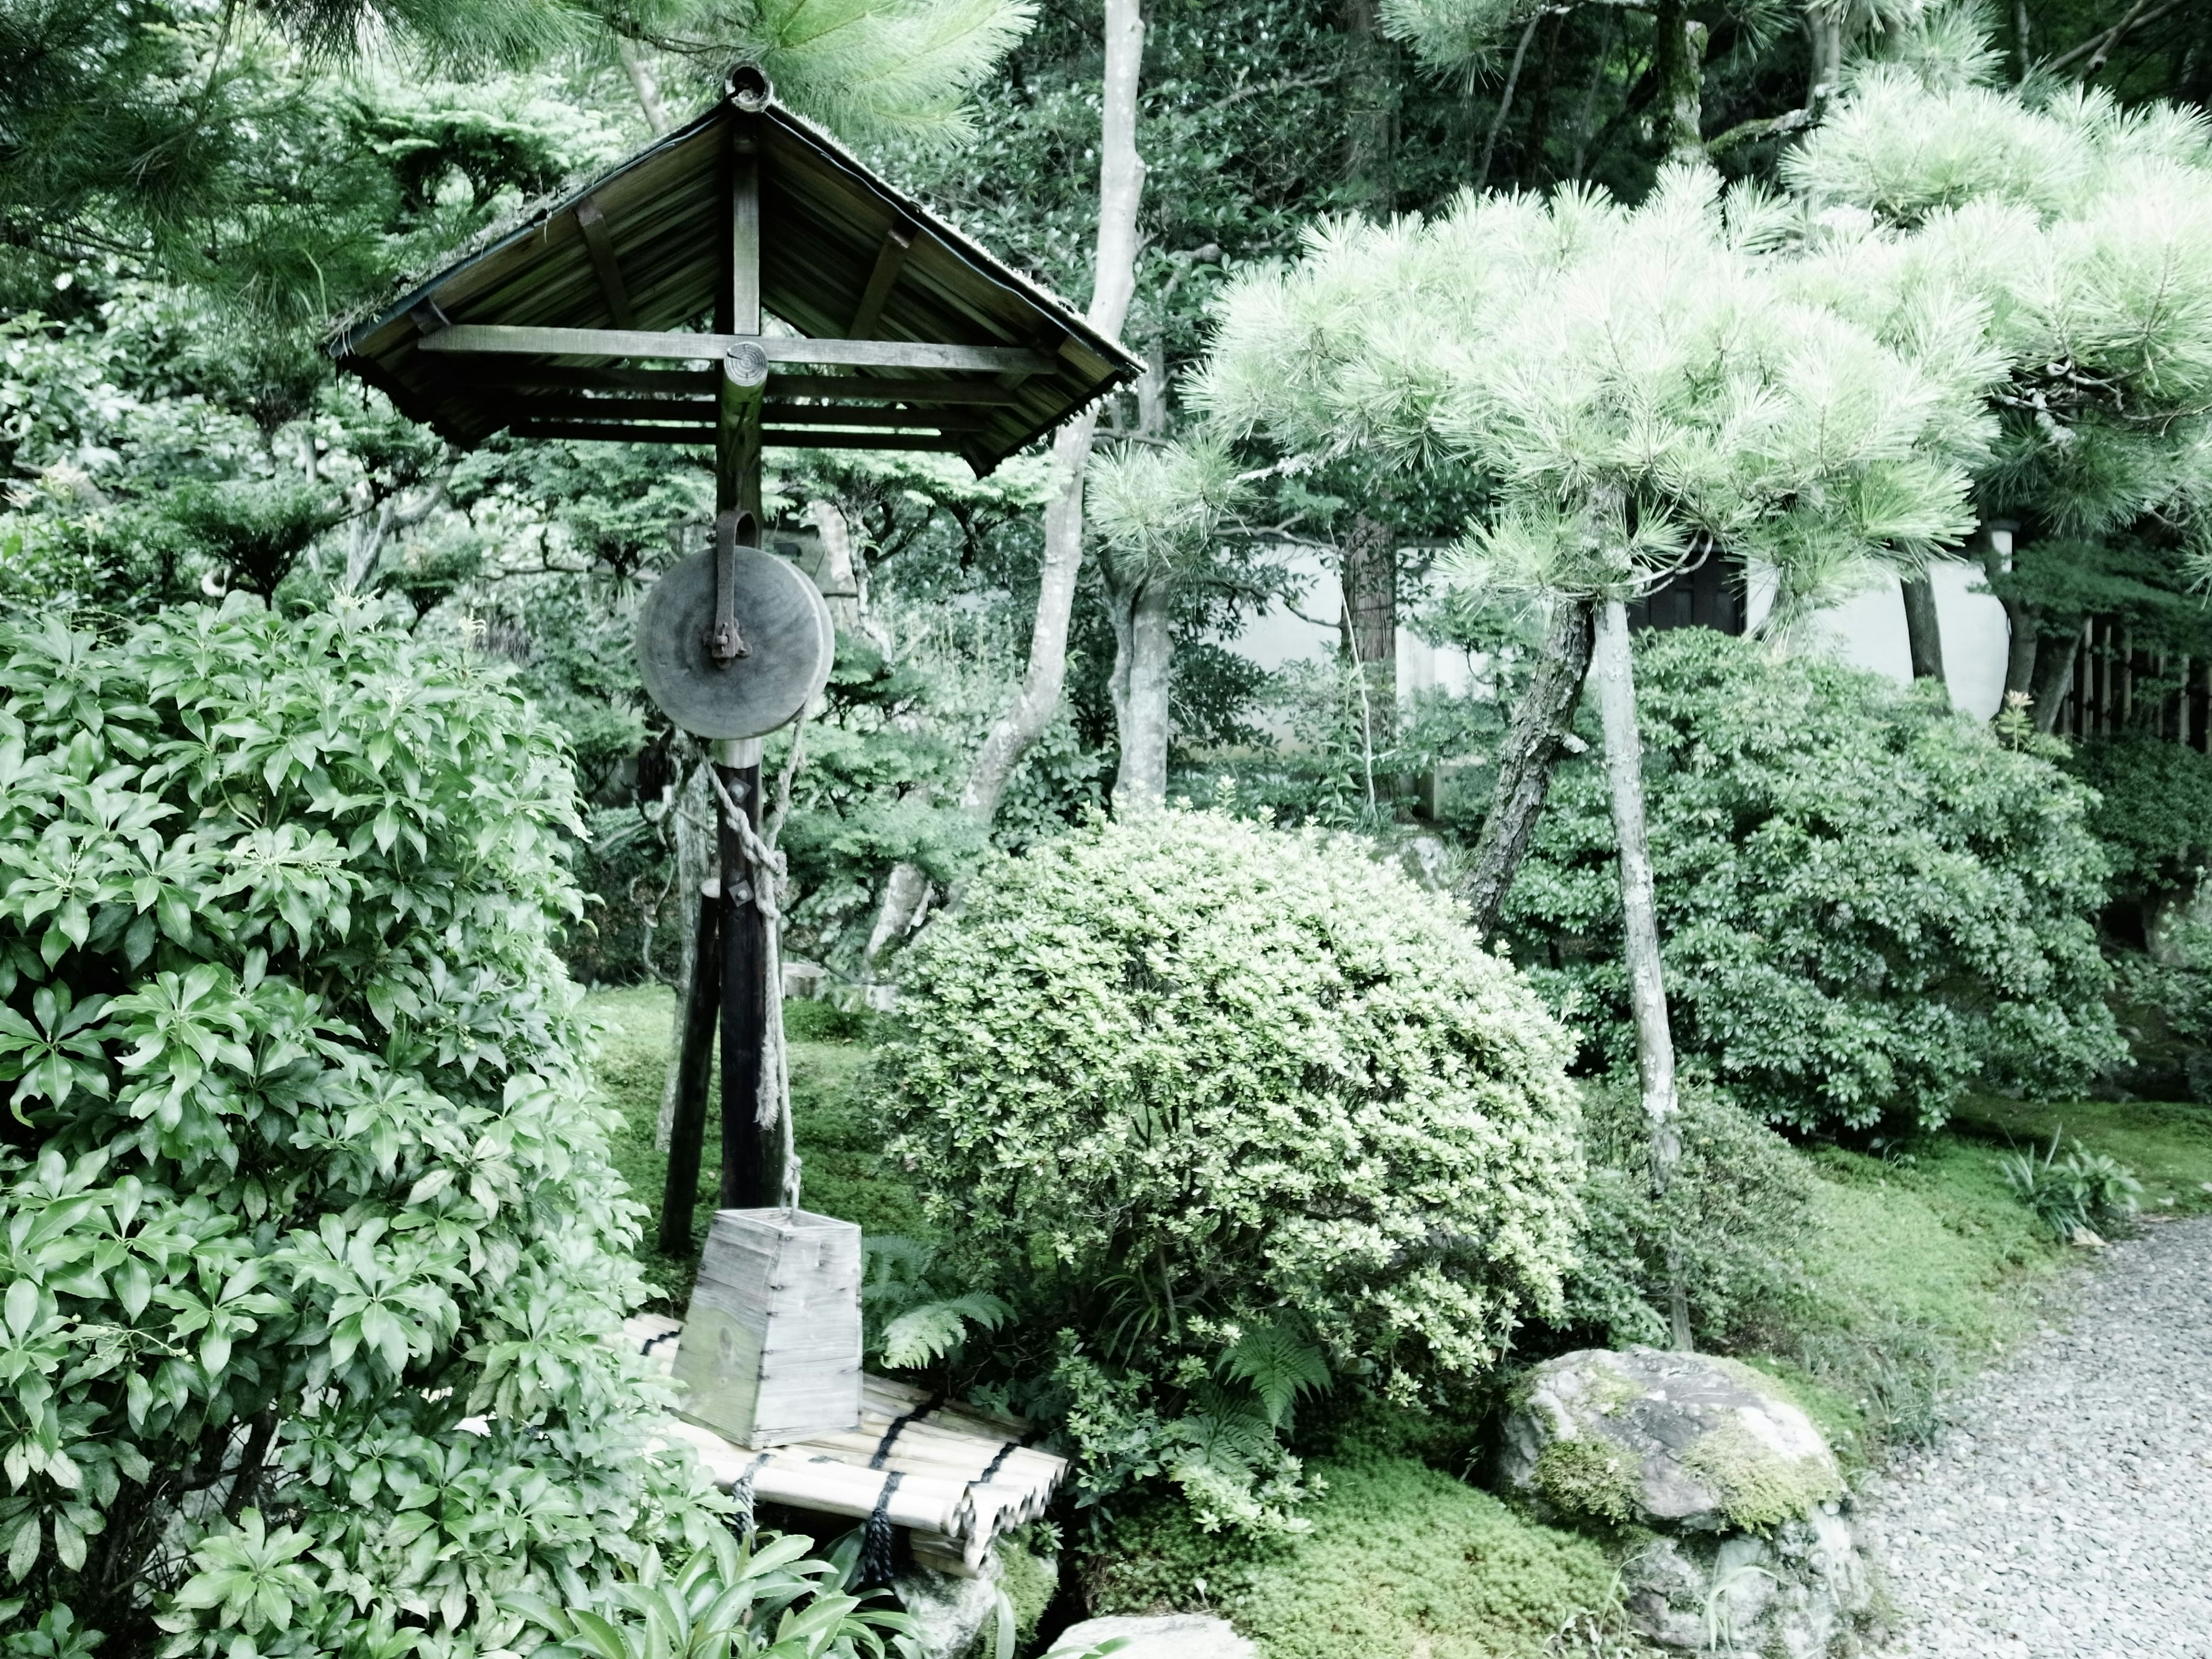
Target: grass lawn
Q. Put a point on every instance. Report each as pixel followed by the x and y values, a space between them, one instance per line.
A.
pixel 841 1167
pixel 1920 1269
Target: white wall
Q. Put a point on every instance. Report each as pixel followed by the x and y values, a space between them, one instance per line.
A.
pixel 1867 629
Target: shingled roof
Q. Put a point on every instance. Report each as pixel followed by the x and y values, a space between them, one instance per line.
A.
pixel 904 334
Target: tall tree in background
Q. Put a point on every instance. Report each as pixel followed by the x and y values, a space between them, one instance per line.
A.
pixel 1113 280
pixel 2084 232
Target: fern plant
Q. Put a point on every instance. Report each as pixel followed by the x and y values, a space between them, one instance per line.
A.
pixel 907 1322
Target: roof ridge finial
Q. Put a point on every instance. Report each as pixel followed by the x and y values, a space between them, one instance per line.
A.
pixel 749 90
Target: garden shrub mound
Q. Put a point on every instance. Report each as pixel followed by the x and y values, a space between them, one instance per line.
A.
pixel 1868 903
pixel 303 1171
pixel 1223 1112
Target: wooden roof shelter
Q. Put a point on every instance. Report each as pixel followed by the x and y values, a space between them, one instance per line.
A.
pixel 906 334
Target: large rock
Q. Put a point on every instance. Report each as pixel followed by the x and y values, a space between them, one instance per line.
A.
pixel 1167 1636
pixel 959 1618
pixel 1674 1442
pixel 1758 1554
pixel 1803 1593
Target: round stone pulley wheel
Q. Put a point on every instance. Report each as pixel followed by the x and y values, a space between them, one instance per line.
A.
pixel 789 636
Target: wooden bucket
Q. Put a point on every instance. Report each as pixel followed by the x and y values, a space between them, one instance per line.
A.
pixel 771 1350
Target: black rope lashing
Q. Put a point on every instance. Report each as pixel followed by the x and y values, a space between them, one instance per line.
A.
pixel 876 1542
pixel 884 1445
pixel 653 1342
pixel 993 1465
pixel 741 1495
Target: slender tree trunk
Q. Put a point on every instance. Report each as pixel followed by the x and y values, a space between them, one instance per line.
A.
pixel 2022 627
pixel 1526 757
pixel 1143 658
pixel 696 812
pixel 1614 667
pixel 1113 280
pixel 2019 39
pixel 2054 671
pixel 643 82
pixel 1923 632
pixel 1678 62
pixel 1368 572
pixel 1369 114
pixel 1824 31
pixel 1506 100
pixel 838 581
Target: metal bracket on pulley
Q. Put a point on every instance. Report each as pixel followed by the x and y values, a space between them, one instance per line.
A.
pixel 725 644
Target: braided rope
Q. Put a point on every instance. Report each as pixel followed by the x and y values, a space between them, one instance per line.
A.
pixel 765 872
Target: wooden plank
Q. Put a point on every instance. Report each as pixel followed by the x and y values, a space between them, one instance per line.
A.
pixel 896 240
pixel 615 432
pixel 601 247
pixel 855 388
pixel 579 406
pixel 514 341
pixel 738 439
pixel 745 226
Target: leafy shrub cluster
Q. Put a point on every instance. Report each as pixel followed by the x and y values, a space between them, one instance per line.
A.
pixel 1736 1212
pixel 1868 903
pixel 311 1238
pixel 2152 812
pixel 2082 1191
pixel 1224 1115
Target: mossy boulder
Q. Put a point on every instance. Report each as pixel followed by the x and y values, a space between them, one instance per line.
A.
pixel 1674 1441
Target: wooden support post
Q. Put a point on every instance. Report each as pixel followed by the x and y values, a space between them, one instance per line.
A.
pixel 752 1172
pixel 752 1154
pixel 687 1134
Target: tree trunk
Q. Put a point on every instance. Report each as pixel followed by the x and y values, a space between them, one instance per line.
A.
pixel 1506 100
pixel 643 82
pixel 839 582
pixel 2054 671
pixel 2022 626
pixel 1526 757
pixel 694 813
pixel 1144 656
pixel 1369 114
pixel 1368 571
pixel 1113 280
pixel 1824 31
pixel 1923 632
pixel 1647 986
pixel 1678 62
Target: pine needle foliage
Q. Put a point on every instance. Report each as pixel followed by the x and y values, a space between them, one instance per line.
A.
pixel 2083 231
pixel 1632 382
pixel 869 71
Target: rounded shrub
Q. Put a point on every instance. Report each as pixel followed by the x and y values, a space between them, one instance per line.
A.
pixel 2153 812
pixel 312 1236
pixel 1868 903
pixel 1228 1114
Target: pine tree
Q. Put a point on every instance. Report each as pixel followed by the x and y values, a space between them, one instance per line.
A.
pixel 1641 386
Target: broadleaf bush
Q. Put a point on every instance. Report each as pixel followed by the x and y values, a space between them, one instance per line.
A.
pixel 1869 904
pixel 1168 1084
pixel 312 1236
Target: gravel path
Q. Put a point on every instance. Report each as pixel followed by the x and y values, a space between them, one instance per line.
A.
pixel 2069 1513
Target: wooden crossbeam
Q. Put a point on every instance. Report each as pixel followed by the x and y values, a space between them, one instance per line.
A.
pixel 576 405
pixel 601 247
pixel 699 383
pixel 896 240
pixel 513 341
pixel 774 437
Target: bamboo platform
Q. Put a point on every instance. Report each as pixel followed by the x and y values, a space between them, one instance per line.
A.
pixel 956 1476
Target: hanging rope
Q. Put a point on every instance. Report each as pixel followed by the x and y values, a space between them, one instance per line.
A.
pixel 765 874
pixel 876 1563
pixel 741 1496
